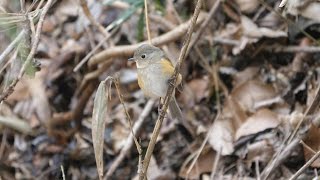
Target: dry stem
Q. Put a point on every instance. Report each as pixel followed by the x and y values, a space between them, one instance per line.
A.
pixel 171 87
pixel 202 146
pixel 127 50
pixel 129 141
pixel 116 83
pixel 11 46
pixel 305 166
pixel 147 20
pixel 204 25
pixel 10 89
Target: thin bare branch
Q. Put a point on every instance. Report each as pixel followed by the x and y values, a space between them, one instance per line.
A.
pixel 34 47
pixel 170 91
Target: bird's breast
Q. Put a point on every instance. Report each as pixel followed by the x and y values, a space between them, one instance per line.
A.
pixel 153 81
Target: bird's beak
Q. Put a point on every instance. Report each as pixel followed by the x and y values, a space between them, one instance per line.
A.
pixel 131 59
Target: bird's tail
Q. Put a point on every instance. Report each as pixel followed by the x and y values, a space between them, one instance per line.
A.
pixel 176 113
pixel 174 109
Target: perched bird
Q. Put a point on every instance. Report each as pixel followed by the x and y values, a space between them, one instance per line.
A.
pixel 154 72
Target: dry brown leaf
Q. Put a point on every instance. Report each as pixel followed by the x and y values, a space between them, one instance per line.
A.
pixel 233 110
pixel 20 93
pixel 40 98
pixel 243 76
pixel 203 165
pixel 248 6
pixel 199 88
pixel 260 121
pixel 222 133
pixel 313 142
pixel 252 92
pixel 98 125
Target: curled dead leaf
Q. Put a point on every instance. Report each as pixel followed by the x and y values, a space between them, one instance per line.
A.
pixel 251 93
pixel 313 142
pixel 204 164
pixel 258 122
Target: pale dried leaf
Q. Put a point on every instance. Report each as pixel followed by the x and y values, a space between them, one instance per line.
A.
pixel 16 124
pixel 251 30
pixel 245 75
pixel 221 136
pixel 251 93
pixel 312 11
pixel 248 6
pixel 98 125
pixel 39 97
pixel 199 88
pixel 260 121
pixel 261 151
pixel 155 172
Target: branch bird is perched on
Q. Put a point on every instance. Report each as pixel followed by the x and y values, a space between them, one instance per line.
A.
pixel 154 72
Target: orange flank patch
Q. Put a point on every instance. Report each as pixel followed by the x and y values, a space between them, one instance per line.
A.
pixel 169 69
pixel 140 82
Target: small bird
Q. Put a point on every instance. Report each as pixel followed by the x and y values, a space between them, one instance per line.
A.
pixel 154 72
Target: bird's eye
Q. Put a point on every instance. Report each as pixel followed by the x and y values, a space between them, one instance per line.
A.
pixel 143 56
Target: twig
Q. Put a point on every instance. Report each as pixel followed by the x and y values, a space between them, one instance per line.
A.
pixel 147 20
pixel 11 46
pixel 275 162
pixel 288 21
pixel 280 159
pixel 3 142
pixel 204 25
pixel 92 20
pixel 9 90
pixel 129 141
pixel 293 49
pixel 201 147
pixel 257 169
pixel 311 109
pixel 116 83
pixel 283 3
pixel 167 25
pixel 62 172
pixel 170 91
pixel 86 58
pixel 215 164
pixel 106 34
pixel 127 50
pixel 305 166
pixel 12 58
